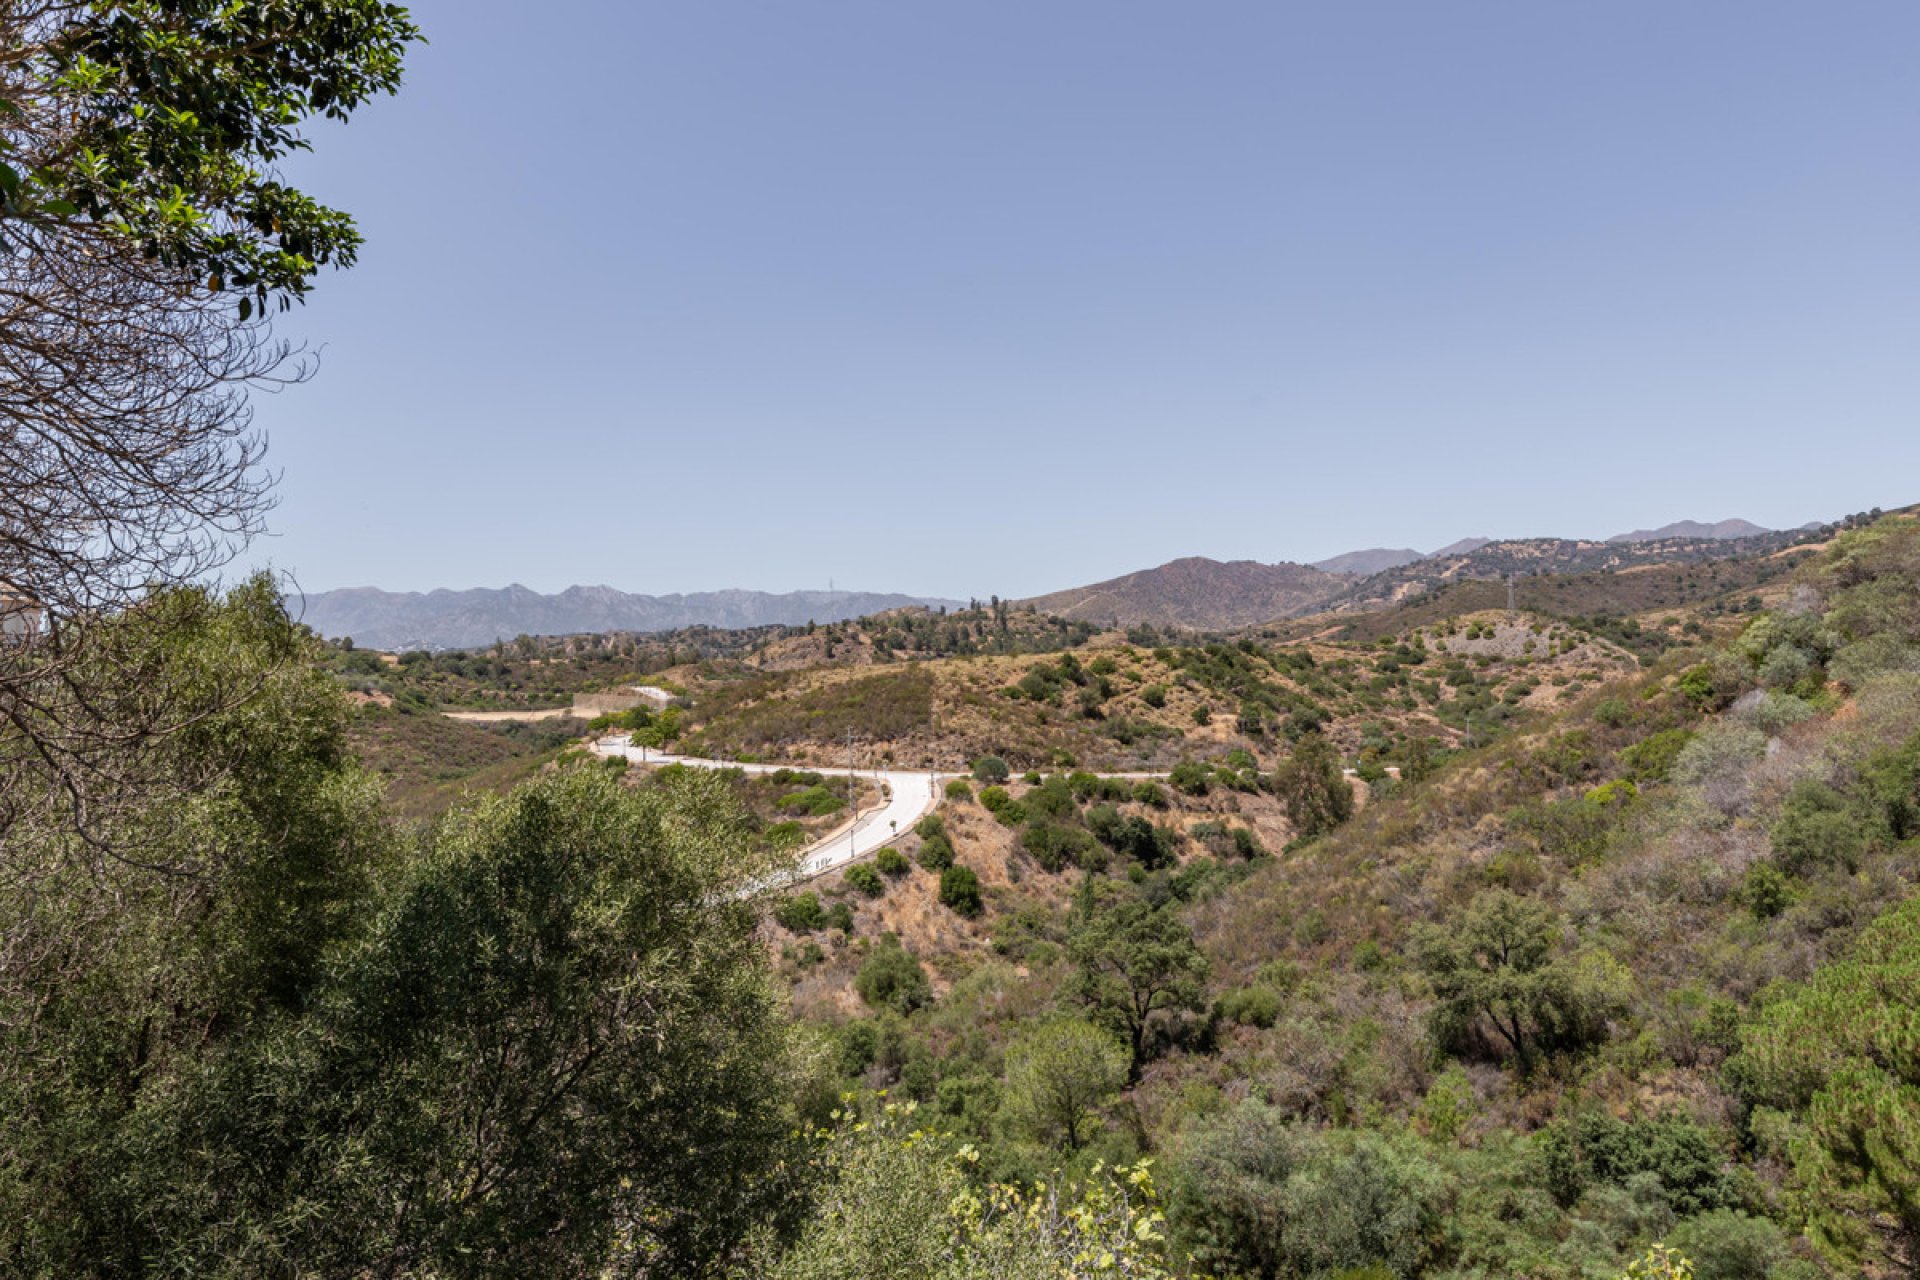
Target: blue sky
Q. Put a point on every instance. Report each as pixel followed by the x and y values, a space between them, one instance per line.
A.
pixel 970 298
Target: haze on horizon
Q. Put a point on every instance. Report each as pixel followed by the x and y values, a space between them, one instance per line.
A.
pixel 996 298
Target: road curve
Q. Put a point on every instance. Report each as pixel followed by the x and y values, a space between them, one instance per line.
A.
pixel 910 796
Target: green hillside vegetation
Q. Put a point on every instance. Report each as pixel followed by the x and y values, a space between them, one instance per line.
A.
pixel 1612 979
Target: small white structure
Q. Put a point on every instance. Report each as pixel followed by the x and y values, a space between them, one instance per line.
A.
pixel 20 615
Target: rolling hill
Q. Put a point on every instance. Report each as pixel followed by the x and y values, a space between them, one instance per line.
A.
pixel 1199 593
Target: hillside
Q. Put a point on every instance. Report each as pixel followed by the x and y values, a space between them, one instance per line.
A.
pixel 469 619
pixel 1635 970
pixel 1521 557
pixel 1197 593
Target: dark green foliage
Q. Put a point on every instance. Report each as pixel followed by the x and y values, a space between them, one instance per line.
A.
pixel 1818 829
pixel 1726 1244
pixel 1500 968
pixel 800 913
pixel 960 891
pixel 1056 847
pixel 1255 1195
pixel 291 1037
pixel 1651 759
pixel 863 879
pixel 1313 788
pixel 1594 1147
pixel 991 770
pixel 174 123
pixel 1190 777
pixel 891 862
pixel 1134 961
pixel 936 853
pixel 1832 1062
pixel 816 801
pixel 1150 794
pixel 891 978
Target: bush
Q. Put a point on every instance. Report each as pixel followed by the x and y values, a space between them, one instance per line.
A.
pixel 800 913
pixel 959 791
pixel 1816 831
pixel 1651 759
pixel 1252 1006
pixel 930 826
pixel 1726 1244
pixel 1150 794
pixel 892 979
pixel 1594 1148
pixel 1190 777
pixel 991 770
pixel 936 853
pixel 1057 847
pixel 960 891
pixel 1154 695
pixel 865 880
pixel 891 862
pixel 815 801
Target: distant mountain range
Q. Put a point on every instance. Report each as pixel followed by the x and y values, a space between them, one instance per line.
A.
pixel 1693 529
pixel 1372 560
pixel 1211 595
pixel 396 620
pixel 1196 593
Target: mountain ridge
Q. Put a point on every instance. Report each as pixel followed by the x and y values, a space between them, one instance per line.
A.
pixel 448 618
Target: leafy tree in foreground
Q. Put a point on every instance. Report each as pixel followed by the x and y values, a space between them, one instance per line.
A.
pixel 900 1204
pixel 142 232
pixel 543 1042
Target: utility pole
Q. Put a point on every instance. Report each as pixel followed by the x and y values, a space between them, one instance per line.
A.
pixel 853 796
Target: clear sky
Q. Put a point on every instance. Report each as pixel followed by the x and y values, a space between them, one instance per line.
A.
pixel 960 298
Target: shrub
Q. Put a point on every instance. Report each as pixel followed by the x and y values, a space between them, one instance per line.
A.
pixel 958 790
pixel 1593 1147
pixel 816 801
pixel 1154 695
pixel 1056 847
pixel 936 853
pixel 930 826
pixel 1726 1244
pixel 991 770
pixel 892 979
pixel 1150 794
pixel 960 891
pixel 1190 777
pixel 840 916
pixel 1816 831
pixel 1252 1006
pixel 800 913
pixel 891 862
pixel 1651 759
pixel 865 880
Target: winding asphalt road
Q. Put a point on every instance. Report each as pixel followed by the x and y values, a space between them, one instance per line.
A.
pixel 910 796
